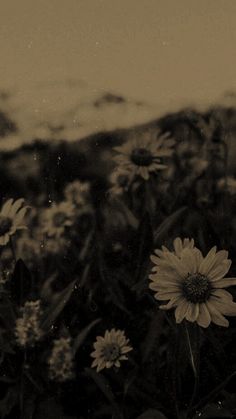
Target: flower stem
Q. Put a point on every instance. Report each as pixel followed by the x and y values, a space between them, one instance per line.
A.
pixel 13 249
pixel 194 358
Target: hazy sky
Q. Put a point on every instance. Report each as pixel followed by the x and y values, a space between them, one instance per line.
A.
pixel 157 50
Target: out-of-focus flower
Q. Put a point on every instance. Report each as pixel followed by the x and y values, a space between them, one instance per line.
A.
pixel 198 166
pixel 110 349
pixel 227 184
pixel 143 156
pixel 194 284
pixel 77 192
pixel 56 218
pixel 27 330
pixel 61 360
pixel 11 219
pixel 120 180
pixel 54 245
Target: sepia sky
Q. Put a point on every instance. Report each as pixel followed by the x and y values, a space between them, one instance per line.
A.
pixel 161 51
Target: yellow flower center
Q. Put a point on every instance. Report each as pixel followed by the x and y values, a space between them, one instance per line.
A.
pixel 141 157
pixel 5 224
pixel 111 352
pixel 196 288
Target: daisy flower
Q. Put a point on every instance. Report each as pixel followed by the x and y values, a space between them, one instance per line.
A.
pixel 61 360
pixel 110 349
pixel 194 284
pixel 227 184
pixel 11 219
pixel 120 179
pixel 77 192
pixel 56 218
pixel 142 156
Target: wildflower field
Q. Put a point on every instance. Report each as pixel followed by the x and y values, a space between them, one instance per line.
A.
pixel 118 272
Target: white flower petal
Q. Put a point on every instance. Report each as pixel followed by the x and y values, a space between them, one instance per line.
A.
pixel 216 316
pixel 192 312
pixel 208 262
pixel 219 271
pixel 6 207
pixel 225 282
pixel 180 311
pixel 204 318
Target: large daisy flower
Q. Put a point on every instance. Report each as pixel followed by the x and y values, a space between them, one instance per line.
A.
pixel 56 218
pixel 110 349
pixel 11 219
pixel 194 284
pixel 142 156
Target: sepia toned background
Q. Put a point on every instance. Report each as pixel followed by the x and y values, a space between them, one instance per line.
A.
pixel 161 51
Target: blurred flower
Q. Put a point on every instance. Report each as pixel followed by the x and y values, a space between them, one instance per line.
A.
pixel 110 349
pixel 142 156
pixel 61 360
pixel 77 192
pixel 227 184
pixel 193 284
pixel 27 328
pixel 55 245
pixel 197 167
pixel 56 218
pixel 11 218
pixel 120 179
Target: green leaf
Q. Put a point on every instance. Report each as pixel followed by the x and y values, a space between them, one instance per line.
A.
pixel 50 409
pixel 168 224
pixel 9 401
pixel 104 386
pixel 153 335
pixel 111 282
pixel 152 414
pixel 214 411
pixel 57 306
pixel 79 340
pixel 21 283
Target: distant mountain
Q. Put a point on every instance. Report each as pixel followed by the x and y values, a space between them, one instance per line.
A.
pixel 57 132
pixel 69 110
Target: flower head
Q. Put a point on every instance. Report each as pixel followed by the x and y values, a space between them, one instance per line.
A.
pixel 61 360
pixel 27 328
pixel 77 192
pixel 142 156
pixel 110 349
pixel 193 284
pixel 11 219
pixel 120 180
pixel 227 184
pixel 56 218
